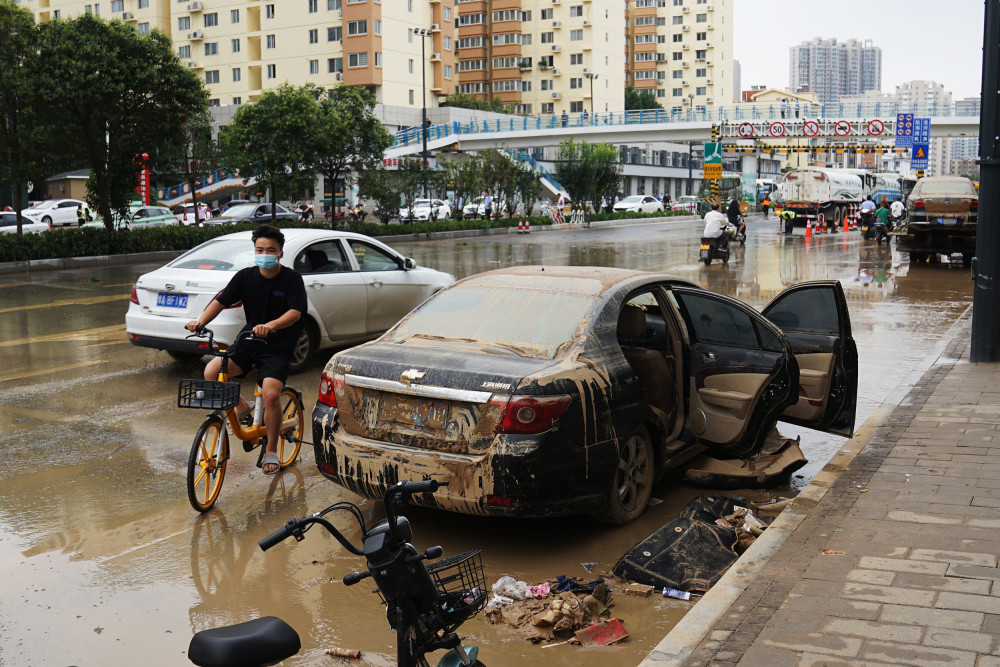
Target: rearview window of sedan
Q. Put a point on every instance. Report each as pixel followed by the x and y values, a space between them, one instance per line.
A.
pixel 952 187
pixel 814 311
pixel 715 321
pixel 222 255
pixel 488 316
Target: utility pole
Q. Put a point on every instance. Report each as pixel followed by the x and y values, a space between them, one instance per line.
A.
pixel 423 33
pixel 985 295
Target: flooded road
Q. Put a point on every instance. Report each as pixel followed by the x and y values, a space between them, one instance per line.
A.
pixel 107 564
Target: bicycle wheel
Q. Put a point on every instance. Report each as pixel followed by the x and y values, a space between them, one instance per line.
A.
pixel 207 463
pixel 291 438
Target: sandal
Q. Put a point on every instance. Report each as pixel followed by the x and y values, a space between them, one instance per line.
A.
pixel 270 459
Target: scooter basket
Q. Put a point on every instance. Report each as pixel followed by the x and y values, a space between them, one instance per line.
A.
pixel 461 584
pixel 208 394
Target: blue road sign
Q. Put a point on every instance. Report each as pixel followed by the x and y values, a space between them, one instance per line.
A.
pixel 919 154
pixel 904 130
pixel 921 130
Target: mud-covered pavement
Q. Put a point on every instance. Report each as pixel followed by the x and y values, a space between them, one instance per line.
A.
pixel 107 564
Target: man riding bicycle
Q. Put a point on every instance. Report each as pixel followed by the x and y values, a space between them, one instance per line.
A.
pixel 274 298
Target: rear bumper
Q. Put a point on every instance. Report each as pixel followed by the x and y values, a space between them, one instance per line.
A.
pixel 518 477
pixel 936 238
pixel 193 346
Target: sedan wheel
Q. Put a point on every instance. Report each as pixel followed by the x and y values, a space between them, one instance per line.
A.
pixel 303 351
pixel 632 484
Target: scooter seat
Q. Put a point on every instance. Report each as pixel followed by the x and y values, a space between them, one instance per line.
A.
pixel 257 643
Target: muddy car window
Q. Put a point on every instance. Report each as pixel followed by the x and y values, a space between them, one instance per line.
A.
pixel 371 258
pixel 812 310
pixel 715 321
pixel 956 187
pixel 484 315
pixel 226 255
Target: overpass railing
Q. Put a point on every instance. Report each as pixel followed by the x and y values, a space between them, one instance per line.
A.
pixel 714 114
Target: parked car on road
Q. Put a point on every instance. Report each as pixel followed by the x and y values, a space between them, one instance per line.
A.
pixel 8 225
pixel 259 213
pixel 639 204
pixel 55 212
pixel 142 217
pixel 546 390
pixel 357 287
pixel 185 214
pixel 423 208
pixel 477 209
pixel 942 213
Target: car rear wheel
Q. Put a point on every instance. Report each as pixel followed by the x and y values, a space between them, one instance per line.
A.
pixel 632 483
pixel 304 348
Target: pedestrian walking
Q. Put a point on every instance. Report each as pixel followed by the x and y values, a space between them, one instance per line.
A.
pixel 487 206
pixel 565 118
pixel 796 108
pixel 765 204
pixel 784 107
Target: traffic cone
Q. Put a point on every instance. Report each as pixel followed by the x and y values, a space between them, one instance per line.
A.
pixel 847 216
pixel 809 228
pixel 527 226
pixel 520 224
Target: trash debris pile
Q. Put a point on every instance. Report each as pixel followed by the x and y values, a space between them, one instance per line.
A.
pixel 780 458
pixel 692 552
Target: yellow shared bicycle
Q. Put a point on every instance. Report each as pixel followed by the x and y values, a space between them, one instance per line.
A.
pixel 210 450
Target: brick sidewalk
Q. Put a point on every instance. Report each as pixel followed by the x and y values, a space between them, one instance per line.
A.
pixel 915 513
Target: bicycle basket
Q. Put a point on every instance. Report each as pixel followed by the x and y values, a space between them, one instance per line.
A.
pixel 461 584
pixel 207 394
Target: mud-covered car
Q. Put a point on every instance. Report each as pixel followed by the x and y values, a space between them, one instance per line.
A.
pixel 541 391
pixel 942 213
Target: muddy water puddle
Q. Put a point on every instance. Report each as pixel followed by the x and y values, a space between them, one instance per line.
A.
pixel 107 564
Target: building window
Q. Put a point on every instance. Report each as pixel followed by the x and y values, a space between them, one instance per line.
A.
pixel 116 6
pixel 314 67
pixel 701 90
pixel 576 11
pixel 212 76
pixel 211 20
pixel 184 23
pixel 144 28
pixel 334 65
pixel 701 18
pixel 472 42
pixel 214 102
pixel 576 107
pixel 447 71
pixel 446 42
pixel 377 27
pixel 357 59
pixel 211 48
pixel 313 8
pixel 701 72
pixel 677 92
pixel 701 36
pixel 576 35
pixel 471 65
pixel 546 84
pixel 576 82
pixel 645 20
pixel 184 52
pixel 237 74
pixel 235 43
pixel 378 59
pixel 677 39
pixel 314 36
pixel 547 107
pixel 471 19
pixel 271 42
pixel 504 63
pixel 548 37
pixel 272 71
pixel 237 101
pixel 446 13
pixel 677 74
pixel 411 97
pixel 700 54
pixel 332 5
pixel 269 11
pixel 677 20
pixel 677 55
pixel 576 59
pixel 234 16
pixel 546 14
pixel 357 28
pixel 334 34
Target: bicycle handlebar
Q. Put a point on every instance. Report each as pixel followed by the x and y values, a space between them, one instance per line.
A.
pixel 296 528
pixel 202 331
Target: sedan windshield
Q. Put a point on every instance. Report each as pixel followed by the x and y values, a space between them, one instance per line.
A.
pixel 545 322
pixel 241 211
pixel 218 255
pixel 50 203
pixel 634 199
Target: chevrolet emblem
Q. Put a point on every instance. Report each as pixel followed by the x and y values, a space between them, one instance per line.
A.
pixel 411 375
pixel 169 287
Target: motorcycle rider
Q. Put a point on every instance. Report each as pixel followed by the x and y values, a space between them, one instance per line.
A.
pixel 882 216
pixel 898 211
pixel 734 217
pixel 716 226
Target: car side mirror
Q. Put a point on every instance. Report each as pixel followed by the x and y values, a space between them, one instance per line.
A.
pixel 408 264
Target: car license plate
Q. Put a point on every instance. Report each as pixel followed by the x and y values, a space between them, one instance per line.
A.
pixel 948 221
pixel 413 411
pixel 171 300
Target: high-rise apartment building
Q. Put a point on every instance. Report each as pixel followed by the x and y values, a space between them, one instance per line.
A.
pixel 681 50
pixel 832 69
pixel 242 47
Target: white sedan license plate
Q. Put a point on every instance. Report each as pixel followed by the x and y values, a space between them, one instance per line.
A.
pixel 171 300
pixel 948 221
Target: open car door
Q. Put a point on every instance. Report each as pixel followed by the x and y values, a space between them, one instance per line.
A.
pixel 815 319
pixel 740 375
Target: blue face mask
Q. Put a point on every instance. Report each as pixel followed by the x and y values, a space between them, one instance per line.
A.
pixel 266 261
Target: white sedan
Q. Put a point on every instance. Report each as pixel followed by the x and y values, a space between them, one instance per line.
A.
pixel 55 212
pixel 8 225
pixel 357 288
pixel 639 204
pixel 422 209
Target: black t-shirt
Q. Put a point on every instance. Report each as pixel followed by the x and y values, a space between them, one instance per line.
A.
pixel 267 299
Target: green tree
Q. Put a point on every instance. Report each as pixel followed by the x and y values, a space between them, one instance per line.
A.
pixel 588 171
pixel 635 99
pixel 466 178
pixel 384 187
pixel 467 101
pixel 349 136
pixel 107 94
pixel 500 174
pixel 274 140
pixel 19 159
pixel 192 156
pixel 415 180
pixel 528 187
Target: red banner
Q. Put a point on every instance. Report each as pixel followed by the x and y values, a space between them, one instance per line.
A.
pixel 142 190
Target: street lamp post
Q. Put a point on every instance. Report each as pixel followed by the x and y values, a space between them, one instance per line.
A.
pixel 690 183
pixel 592 76
pixel 423 33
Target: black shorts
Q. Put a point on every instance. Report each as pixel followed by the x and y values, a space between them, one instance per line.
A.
pixel 267 363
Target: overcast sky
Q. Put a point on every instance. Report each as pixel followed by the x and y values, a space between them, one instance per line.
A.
pixel 935 40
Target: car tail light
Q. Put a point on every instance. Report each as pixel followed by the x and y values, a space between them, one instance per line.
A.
pixel 974 205
pixel 328 385
pixel 499 501
pixel 329 468
pixel 134 297
pixel 530 414
pixel 918 204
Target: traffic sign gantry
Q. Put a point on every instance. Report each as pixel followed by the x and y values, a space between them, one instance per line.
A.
pixel 842 128
pixel 810 128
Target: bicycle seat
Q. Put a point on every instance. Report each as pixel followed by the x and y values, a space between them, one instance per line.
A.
pixel 260 642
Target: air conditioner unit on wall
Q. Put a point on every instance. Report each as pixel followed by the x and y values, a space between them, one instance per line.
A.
pixel 557 96
pixel 557 24
pixel 556 72
pixel 435 26
pixel 197 34
pixel 339 76
pixel 127 16
pixel 195 6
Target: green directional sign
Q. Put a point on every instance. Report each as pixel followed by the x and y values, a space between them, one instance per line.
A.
pixel 713 159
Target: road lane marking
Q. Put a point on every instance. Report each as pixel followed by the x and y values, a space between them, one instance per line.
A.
pixel 58 369
pixel 98 334
pixel 66 302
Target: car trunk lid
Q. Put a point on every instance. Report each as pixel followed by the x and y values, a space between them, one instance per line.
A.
pixel 943 206
pixel 449 400
pixel 179 293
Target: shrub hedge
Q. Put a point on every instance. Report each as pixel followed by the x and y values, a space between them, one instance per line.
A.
pixel 91 241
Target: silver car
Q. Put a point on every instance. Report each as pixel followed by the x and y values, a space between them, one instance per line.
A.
pixel 357 288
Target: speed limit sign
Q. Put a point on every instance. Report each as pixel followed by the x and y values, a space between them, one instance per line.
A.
pixel 777 129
